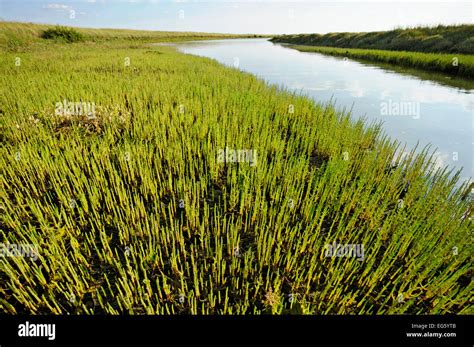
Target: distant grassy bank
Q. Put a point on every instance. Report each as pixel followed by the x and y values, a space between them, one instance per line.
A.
pixel 457 39
pixel 460 65
pixel 113 179
pixel 15 35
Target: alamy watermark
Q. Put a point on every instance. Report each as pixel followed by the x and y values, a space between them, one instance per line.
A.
pixel 37 330
pixel 19 250
pixel 80 108
pixel 400 108
pixel 229 155
pixel 345 250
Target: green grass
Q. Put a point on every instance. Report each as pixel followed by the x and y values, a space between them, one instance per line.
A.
pixel 132 213
pixel 64 34
pixel 458 39
pixel 459 65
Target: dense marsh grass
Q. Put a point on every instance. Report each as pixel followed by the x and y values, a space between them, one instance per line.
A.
pixel 436 39
pixel 132 212
pixel 460 65
pixel 64 34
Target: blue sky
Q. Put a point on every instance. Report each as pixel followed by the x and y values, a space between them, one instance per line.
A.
pixel 244 16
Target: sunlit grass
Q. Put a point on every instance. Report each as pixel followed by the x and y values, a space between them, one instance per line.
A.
pixel 461 65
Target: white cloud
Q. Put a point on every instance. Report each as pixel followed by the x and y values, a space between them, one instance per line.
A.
pixel 56 6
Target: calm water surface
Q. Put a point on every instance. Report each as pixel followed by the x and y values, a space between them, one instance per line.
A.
pixel 429 110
